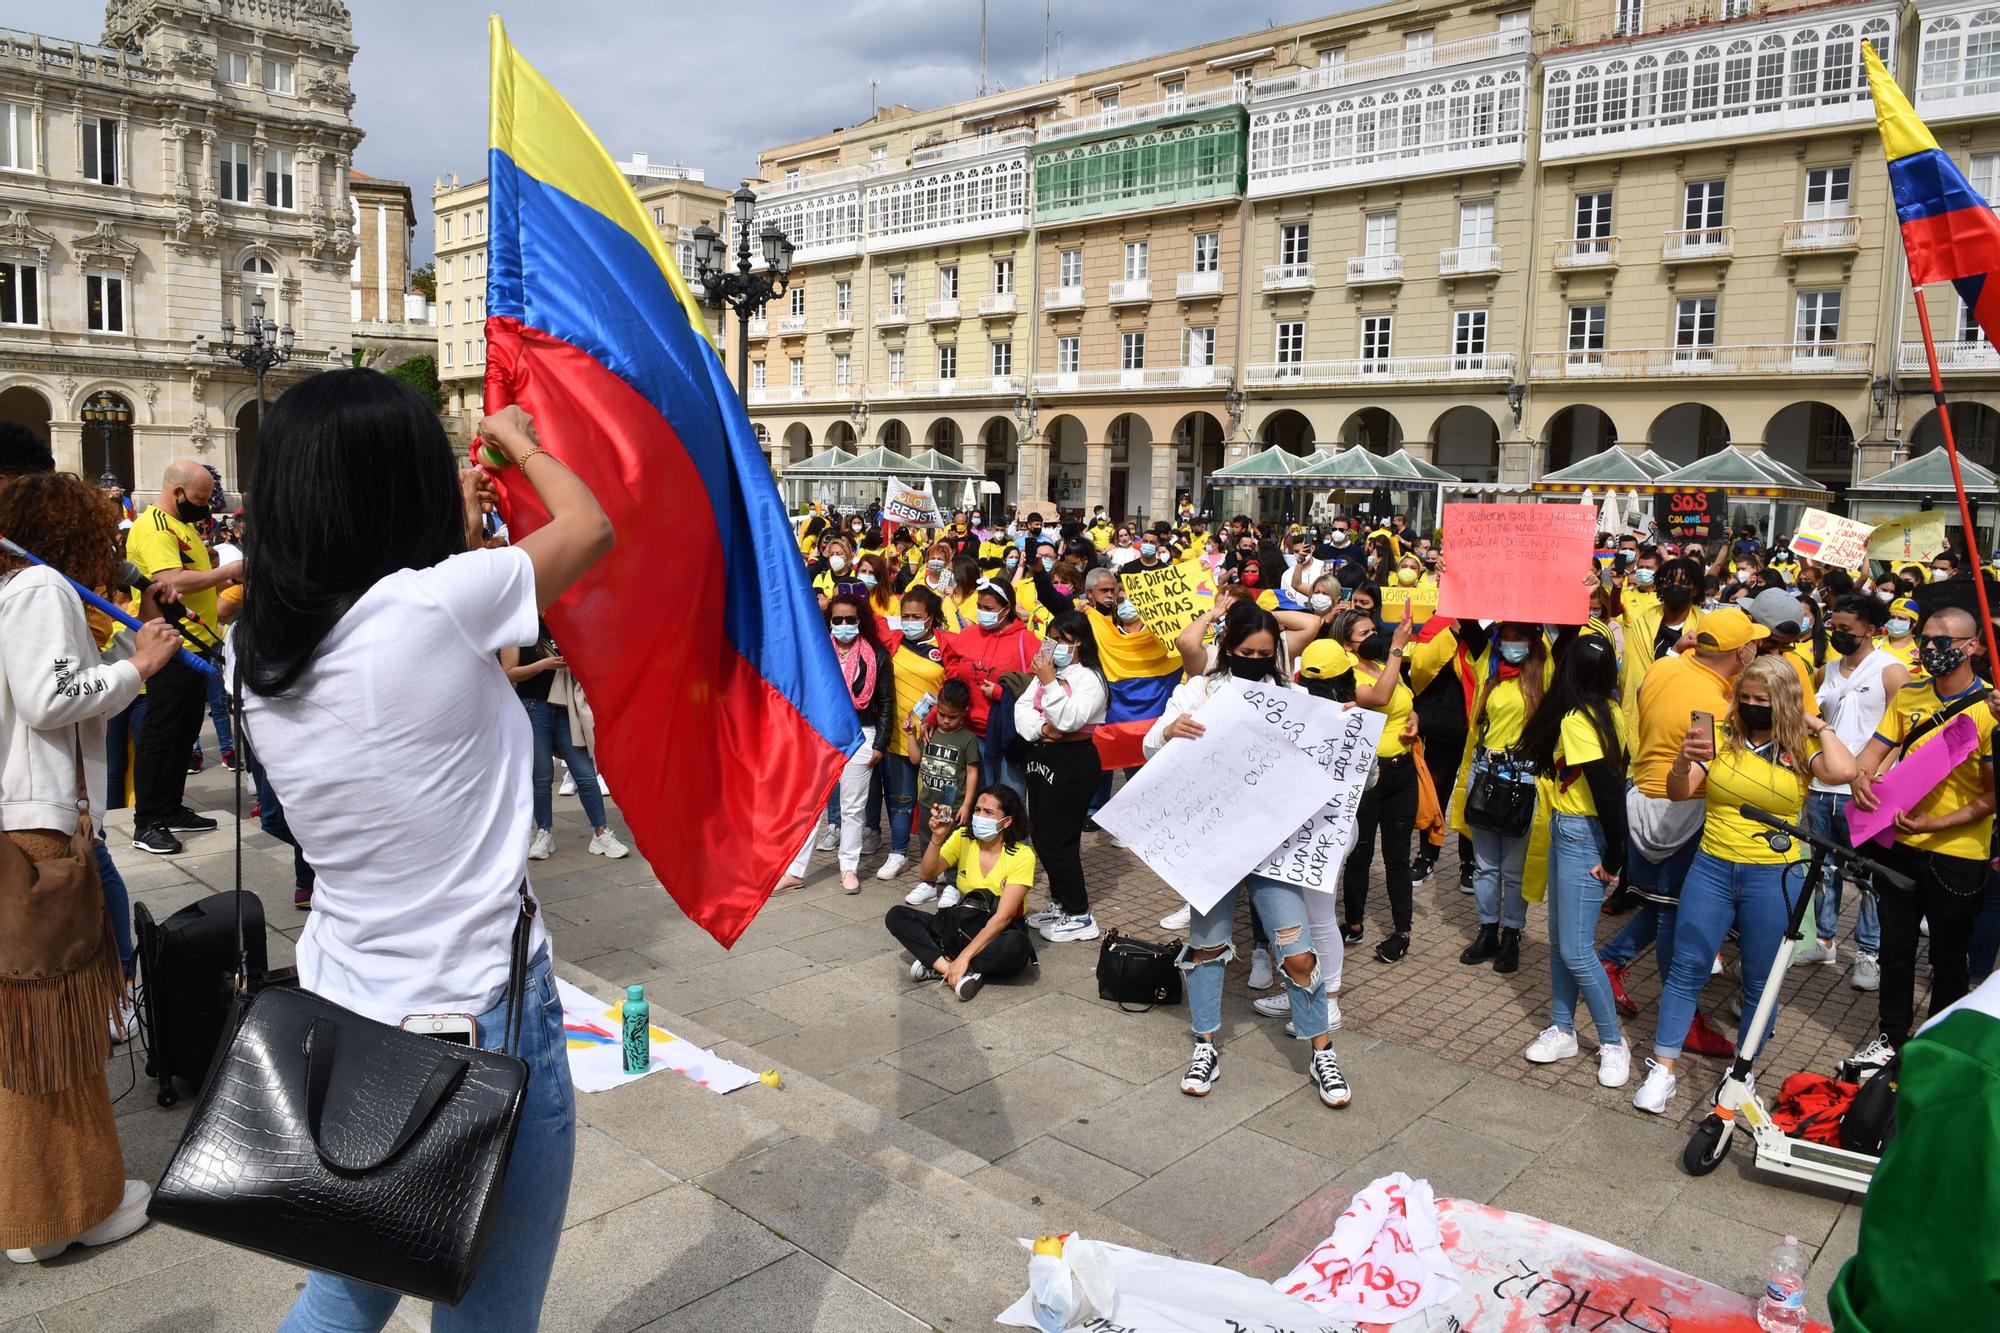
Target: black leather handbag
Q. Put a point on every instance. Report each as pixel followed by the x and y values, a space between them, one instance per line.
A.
pixel 1500 795
pixel 1132 972
pixel 332 1141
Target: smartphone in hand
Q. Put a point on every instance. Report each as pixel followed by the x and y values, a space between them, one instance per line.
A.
pixel 1702 725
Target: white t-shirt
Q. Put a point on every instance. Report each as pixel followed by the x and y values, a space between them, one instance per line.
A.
pixel 403 759
pixel 226 552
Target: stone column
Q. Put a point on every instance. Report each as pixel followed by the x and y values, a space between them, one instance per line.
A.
pixel 1521 460
pixel 1160 503
pixel 1096 477
pixel 1031 477
pixel 1425 449
pixel 259 146
pixel 1873 456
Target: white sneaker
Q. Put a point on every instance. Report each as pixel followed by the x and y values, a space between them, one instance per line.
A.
pixel 829 839
pixel 1867 973
pixel 1829 954
pixel 606 844
pixel 893 866
pixel 1177 920
pixel 126 1218
pixel 603 787
pixel 1658 1089
pixel 542 845
pixel 1924 927
pixel 1273 1006
pixel 1261 975
pixel 124 1018
pixel 1069 928
pixel 1614 1064
pixel 922 971
pixel 925 892
pixel 1715 968
pixel 1874 1056
pixel 1203 1070
pixel 1552 1045
pixel 948 896
pixel 871 842
pixel 568 787
pixel 1036 920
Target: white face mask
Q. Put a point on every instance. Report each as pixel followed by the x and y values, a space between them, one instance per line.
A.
pixel 1320 603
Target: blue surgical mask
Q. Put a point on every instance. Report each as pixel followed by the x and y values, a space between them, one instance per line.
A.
pixel 867 580
pixel 1013 561
pixel 846 633
pixel 915 627
pixel 1643 577
pixel 1062 654
pixel 1896 627
pixel 985 828
pixel 1127 612
pixel 1148 548
pixel 935 566
pixel 988 619
pixel 1048 563
pixel 1514 653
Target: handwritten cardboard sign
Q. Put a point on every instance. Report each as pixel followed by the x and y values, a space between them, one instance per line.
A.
pixel 1911 539
pixel 1342 742
pixel 1422 601
pixel 1206 810
pixel 1831 540
pixel 1170 597
pixel 1517 562
pixel 1691 516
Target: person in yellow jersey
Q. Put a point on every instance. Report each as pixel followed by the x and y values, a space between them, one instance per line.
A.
pixel 1387 810
pixel 1512 668
pixel 1639 588
pixel 1576 741
pixel 1943 842
pixel 1765 756
pixel 1899 635
pixel 916 666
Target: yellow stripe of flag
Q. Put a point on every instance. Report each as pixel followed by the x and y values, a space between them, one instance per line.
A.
pixel 1903 134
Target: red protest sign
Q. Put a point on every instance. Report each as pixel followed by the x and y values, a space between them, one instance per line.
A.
pixel 1518 562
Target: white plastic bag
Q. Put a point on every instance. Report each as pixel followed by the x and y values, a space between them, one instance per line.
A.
pixel 1068 1289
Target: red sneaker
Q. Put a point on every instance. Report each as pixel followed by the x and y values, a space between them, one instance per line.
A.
pixel 1705 1040
pixel 1626 1005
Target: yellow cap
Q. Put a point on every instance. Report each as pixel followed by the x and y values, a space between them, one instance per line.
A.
pixel 1906 607
pixel 1323 660
pixel 1727 630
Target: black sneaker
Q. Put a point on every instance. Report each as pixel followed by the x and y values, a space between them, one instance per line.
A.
pixel 1203 1070
pixel 229 760
pixel 1392 949
pixel 194 762
pixel 185 820
pixel 157 840
pixel 1325 1072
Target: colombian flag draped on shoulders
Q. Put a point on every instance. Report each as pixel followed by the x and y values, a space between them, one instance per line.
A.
pixel 723 723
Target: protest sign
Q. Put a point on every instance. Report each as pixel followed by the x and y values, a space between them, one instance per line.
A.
pixel 1422 601
pixel 1517 562
pixel 1205 810
pixel 1911 780
pixel 1170 597
pixel 1342 742
pixel 913 507
pixel 1831 540
pixel 1691 516
pixel 1911 539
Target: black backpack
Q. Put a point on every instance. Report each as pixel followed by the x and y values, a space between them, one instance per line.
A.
pixel 1871 1121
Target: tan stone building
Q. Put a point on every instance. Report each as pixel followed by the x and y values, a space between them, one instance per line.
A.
pixel 391 322
pixel 678 199
pixel 458 213
pixel 1503 236
pixel 151 188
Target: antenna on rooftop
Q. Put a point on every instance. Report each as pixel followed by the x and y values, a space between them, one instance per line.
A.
pixel 1048 7
pixel 982 48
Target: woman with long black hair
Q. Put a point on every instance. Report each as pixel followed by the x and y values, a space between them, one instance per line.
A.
pixel 1056 716
pixel 409 790
pixel 1576 742
pixel 982 937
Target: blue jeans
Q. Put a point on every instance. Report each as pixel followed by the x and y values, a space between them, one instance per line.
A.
pixel 218 713
pixel 996 768
pixel 119 903
pixel 1496 878
pixel 1826 816
pixel 1716 895
pixel 271 818
pixel 121 736
pixel 1576 846
pixel 1283 909
pixel 899 782
pixel 514 1272
pixel 1634 939
pixel 551 727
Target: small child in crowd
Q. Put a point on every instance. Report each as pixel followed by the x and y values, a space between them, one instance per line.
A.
pixel 947 771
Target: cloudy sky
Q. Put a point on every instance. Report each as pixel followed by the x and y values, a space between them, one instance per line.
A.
pixel 707 83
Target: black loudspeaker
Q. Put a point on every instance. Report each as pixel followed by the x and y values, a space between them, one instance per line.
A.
pixel 187 969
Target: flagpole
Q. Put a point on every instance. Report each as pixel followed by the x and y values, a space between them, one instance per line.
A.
pixel 1957 480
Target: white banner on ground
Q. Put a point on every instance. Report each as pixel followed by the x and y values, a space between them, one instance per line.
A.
pixel 1205 811
pixel 593 1032
pixel 1342 742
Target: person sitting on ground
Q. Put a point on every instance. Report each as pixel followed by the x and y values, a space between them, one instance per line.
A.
pixel 982 937
pixel 947 771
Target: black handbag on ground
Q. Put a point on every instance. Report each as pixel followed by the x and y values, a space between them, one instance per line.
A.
pixel 1133 972
pixel 332 1141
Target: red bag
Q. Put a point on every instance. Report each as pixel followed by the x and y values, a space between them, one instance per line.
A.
pixel 1810 1106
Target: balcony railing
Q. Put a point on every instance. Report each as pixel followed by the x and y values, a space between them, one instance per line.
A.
pixel 1130 291
pixel 1165 377
pixel 1292 277
pixel 1804 236
pixel 1464 260
pixel 1190 285
pixel 791 324
pixel 997 303
pixel 1812 358
pixel 838 320
pixel 1136 113
pixel 945 308
pixel 1498 366
pixel 1654 16
pixel 1698 243
pixel 1486 46
pixel 1587 252
pixel 975 146
pixel 760 327
pixel 782 393
pixel 892 314
pixel 1365 269
pixel 958 386
pixel 1062 298
pixel 1973 355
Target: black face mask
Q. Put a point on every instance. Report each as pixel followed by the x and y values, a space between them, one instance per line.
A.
pixel 1940 661
pixel 1247 668
pixel 187 511
pixel 1843 642
pixel 1339 688
pixel 1757 717
pixel 1374 648
pixel 1676 597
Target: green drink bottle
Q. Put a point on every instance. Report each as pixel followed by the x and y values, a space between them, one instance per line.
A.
pixel 638 1030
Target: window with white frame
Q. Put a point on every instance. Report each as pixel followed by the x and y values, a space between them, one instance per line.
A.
pixel 1380 235
pixel 1291 346
pixel 1069 268
pixel 1592 217
pixel 20 294
pixel 895 365
pixel 1468 333
pixel 798 372
pixel 660 216
pixel 1135 260
pixel 235 67
pixel 1475 224
pixel 468 353
pixel 1968 324
pixel 757 380
pixel 1586 332
pixel 1417 48
pixel 1239 83
pixel 843 370
pixel 1694 328
pixel 895 291
pixel 279 175
pixel 947 361
pixel 17 137
pixel 481 345
pixel 1173 96
pixel 1818 319
pixel 878 154
pixel 1198 348
pixel 444 269
pixel 1002 359
pixel 278 75
pixel 232 170
pixel 445 347
pixel 1107 107
pixel 843 296
pixel 1376 339
pixel 1294 242
pixel 260 279
pixel 1333 57
pixel 1702 205
pixel 684 259
pixel 1132 350
pixel 1003 277
pixel 798 299
pixel 100 149
pixel 1827 191
pixel 1069 354
pixel 947 279
pixel 1983 174
pixel 444 230
pixel 1631 18
pixel 1515 20
pixel 1208 252
pixel 446 316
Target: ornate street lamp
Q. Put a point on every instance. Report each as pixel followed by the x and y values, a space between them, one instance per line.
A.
pixel 264 346
pixel 743 291
pixel 107 412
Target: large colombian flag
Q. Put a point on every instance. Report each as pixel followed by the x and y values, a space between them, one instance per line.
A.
pixel 724 722
pixel 1949 233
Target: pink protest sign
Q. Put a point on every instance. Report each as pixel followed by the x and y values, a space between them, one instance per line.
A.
pixel 1518 562
pixel 1914 776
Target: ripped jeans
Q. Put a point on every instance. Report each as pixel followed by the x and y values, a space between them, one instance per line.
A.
pixel 1283 909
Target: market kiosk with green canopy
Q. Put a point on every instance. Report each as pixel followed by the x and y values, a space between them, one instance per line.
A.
pixel 1917 484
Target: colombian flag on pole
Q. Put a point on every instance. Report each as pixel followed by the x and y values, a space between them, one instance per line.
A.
pixel 1949 233
pixel 724 720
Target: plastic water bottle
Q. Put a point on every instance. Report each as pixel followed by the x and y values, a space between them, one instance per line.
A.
pixel 1783 1309
pixel 639 1031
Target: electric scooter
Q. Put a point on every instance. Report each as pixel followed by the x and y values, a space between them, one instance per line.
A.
pixel 1737 1100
